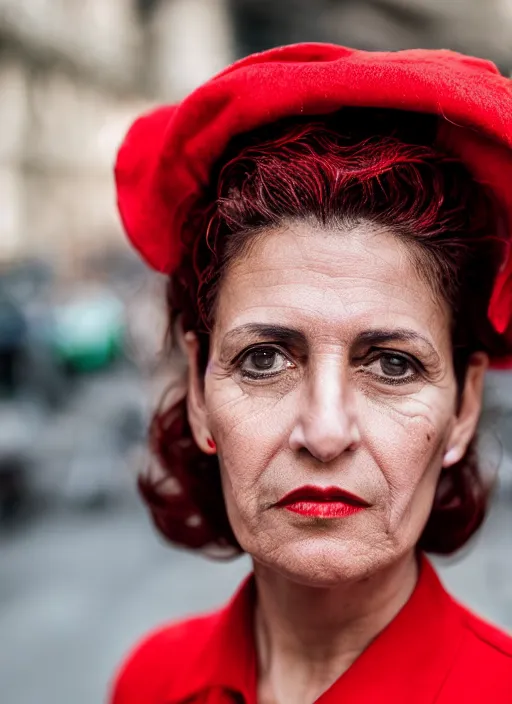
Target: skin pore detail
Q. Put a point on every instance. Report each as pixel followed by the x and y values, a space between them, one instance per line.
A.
pixel 330 367
pixel 354 372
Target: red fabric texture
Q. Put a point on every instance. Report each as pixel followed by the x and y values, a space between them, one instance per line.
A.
pixel 434 651
pixel 166 158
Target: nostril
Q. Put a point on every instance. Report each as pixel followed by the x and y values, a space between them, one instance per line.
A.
pixel 324 438
pixel 325 452
pixel 328 454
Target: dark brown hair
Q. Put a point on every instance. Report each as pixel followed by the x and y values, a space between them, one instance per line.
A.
pixel 359 164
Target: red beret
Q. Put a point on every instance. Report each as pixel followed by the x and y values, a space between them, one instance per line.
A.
pixel 166 157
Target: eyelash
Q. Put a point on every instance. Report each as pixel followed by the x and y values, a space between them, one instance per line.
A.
pixel 414 365
pixel 377 353
pixel 240 359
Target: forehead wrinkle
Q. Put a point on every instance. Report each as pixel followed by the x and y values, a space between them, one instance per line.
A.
pixel 264 261
pixel 310 290
pixel 352 237
pixel 270 277
pixel 342 328
pixel 290 274
pixel 310 313
pixel 355 236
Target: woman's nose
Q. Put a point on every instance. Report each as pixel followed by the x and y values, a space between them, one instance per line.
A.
pixel 326 423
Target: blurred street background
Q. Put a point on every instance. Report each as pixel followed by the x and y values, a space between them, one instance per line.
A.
pixel 82 573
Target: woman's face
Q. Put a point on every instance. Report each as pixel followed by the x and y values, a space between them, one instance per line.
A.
pixel 331 369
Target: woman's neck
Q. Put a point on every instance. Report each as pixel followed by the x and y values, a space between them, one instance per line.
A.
pixel 307 637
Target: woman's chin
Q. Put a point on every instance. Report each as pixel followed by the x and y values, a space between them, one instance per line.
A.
pixel 322 562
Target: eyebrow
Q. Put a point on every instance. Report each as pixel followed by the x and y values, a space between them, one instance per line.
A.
pixel 381 336
pixel 261 331
pixel 284 334
pixel 378 336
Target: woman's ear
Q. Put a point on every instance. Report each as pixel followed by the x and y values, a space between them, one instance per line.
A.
pixel 196 408
pixel 467 418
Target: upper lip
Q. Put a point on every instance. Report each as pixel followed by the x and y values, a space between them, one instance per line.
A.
pixel 318 493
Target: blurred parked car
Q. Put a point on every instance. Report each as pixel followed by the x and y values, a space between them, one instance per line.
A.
pixel 31 382
pixel 27 287
pixel 13 437
pixel 89 330
pixel 70 414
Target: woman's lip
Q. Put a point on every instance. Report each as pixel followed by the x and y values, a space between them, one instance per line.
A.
pixel 323 509
pixel 315 495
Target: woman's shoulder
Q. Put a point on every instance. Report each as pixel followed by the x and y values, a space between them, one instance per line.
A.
pixel 485 638
pixel 182 658
pixel 166 653
pixel 484 661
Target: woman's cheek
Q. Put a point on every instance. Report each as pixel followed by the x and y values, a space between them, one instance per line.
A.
pixel 406 441
pixel 249 431
pixel 250 411
pixel 242 464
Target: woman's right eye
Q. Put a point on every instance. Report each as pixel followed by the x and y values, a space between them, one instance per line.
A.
pixel 264 362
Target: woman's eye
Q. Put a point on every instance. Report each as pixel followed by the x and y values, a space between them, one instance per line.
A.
pixel 264 362
pixel 392 367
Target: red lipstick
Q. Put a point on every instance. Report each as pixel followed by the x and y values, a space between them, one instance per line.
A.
pixel 319 502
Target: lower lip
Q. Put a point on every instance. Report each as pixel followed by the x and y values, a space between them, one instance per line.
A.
pixel 323 509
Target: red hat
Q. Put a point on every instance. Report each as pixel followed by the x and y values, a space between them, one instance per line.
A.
pixel 165 160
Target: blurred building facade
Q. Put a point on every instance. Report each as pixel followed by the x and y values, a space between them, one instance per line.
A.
pixel 472 26
pixel 74 73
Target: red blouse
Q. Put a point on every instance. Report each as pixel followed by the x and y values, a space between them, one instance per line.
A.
pixel 434 651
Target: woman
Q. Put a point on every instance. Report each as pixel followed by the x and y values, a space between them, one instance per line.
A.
pixel 336 224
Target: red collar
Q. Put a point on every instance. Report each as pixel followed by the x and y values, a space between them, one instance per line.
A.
pixel 411 658
pixel 408 661
pixel 226 658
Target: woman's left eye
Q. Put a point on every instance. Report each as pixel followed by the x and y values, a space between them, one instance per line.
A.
pixel 264 362
pixel 392 367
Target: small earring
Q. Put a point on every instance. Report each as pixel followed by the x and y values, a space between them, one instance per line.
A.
pixel 211 443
